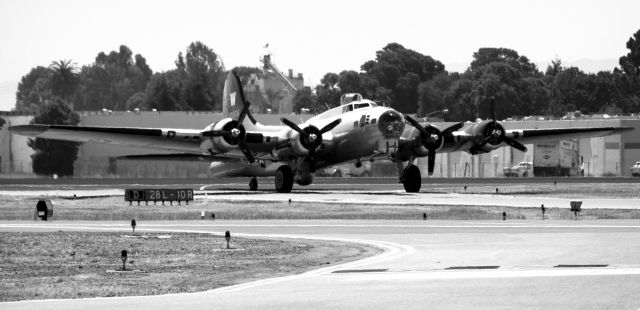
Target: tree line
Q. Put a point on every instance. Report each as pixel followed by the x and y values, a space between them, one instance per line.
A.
pixel 398 77
pixel 121 81
pixel 414 83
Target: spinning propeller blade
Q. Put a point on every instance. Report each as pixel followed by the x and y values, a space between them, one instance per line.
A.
pixel 311 138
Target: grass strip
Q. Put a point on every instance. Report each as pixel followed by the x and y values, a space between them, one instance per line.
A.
pixel 76 264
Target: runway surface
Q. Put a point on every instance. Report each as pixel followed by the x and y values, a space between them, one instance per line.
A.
pixel 382 196
pixel 426 265
pixel 434 191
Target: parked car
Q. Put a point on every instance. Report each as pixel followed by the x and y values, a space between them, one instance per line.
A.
pixel 334 172
pixel 635 169
pixel 523 169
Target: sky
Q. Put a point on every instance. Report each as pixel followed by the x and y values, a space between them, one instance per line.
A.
pixel 311 37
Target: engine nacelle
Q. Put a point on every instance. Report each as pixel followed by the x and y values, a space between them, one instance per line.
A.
pixel 300 144
pixel 296 145
pixel 219 144
pixel 434 138
pixel 491 132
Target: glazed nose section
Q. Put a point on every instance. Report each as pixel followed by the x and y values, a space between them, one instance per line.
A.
pixel 391 124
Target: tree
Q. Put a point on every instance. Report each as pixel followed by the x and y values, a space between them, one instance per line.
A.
pixel 406 93
pixel 111 80
pixel 204 77
pixel 350 82
pixel 398 71
pixel 570 89
pixel 630 63
pixel 33 89
pixel 165 91
pixel 461 99
pixel 554 67
pixel 487 55
pixel 138 100
pixel 536 96
pixel 53 156
pixel 64 79
pixel 305 99
pixel 328 92
pixel 432 93
pixel 628 79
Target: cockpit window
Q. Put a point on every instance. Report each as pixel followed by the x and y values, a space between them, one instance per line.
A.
pixel 351 107
pixel 350 97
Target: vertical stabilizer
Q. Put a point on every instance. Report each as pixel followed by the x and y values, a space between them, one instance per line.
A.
pixel 234 103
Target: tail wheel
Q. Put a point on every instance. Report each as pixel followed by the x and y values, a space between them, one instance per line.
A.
pixel 412 179
pixel 284 179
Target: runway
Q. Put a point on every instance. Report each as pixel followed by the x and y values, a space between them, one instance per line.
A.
pixel 425 265
pixel 370 197
pixel 443 192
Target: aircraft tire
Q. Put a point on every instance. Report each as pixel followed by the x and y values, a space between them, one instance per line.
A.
pixel 253 184
pixel 412 179
pixel 284 179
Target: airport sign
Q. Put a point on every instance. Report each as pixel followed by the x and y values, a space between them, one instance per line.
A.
pixel 160 194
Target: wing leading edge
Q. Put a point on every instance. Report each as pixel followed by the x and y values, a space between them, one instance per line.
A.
pixel 182 140
pixel 529 136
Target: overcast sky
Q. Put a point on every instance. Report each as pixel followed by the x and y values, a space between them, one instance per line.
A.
pixel 312 37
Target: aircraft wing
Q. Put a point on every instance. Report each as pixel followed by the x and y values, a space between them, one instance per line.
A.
pixel 424 140
pixel 471 140
pixel 181 140
pixel 530 136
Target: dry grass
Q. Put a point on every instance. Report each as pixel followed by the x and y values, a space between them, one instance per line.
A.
pixel 114 209
pixel 75 264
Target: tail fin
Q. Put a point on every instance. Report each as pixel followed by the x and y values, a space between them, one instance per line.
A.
pixel 234 104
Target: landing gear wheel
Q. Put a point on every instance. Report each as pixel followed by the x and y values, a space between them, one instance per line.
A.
pixel 253 184
pixel 412 179
pixel 284 179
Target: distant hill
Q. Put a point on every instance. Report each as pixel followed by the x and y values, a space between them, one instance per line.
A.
pixel 592 65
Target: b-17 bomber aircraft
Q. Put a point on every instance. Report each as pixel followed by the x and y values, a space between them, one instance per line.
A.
pixel 359 129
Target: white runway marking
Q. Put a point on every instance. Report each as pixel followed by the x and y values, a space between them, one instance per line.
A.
pixel 426 225
pixel 391 251
pixel 489 274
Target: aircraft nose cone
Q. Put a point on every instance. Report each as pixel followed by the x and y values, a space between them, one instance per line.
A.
pixel 391 124
pixel 312 137
pixel 235 132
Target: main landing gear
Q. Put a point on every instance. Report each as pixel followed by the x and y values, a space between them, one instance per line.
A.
pixel 284 179
pixel 411 179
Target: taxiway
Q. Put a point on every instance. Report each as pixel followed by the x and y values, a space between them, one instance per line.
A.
pixel 426 264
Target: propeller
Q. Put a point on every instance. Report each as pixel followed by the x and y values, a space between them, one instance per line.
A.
pixel 234 132
pixel 494 134
pixel 431 138
pixel 311 138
